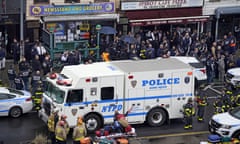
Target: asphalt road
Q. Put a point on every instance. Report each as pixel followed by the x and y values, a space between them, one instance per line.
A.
pixel 25 128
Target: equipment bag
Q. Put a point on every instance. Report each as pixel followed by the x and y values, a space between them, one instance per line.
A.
pixel 214 138
pixel 122 141
pixel 106 141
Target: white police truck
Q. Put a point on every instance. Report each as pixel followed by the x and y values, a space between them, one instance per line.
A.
pixel 156 90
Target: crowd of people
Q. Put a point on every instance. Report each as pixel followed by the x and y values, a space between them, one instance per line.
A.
pixel 218 56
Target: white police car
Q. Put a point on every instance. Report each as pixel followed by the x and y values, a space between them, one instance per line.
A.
pixel 200 72
pixel 226 124
pixel 233 76
pixel 14 102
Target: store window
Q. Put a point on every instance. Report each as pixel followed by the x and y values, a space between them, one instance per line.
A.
pixel 41 1
pixel 72 1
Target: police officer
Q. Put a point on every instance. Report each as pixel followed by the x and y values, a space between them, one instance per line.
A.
pixel 11 76
pixel 52 122
pixel 24 68
pixel 46 65
pixel 36 77
pixel 18 81
pixel 189 112
pixel 60 133
pixel 201 104
pixel 79 132
pixel 219 106
pixel 37 96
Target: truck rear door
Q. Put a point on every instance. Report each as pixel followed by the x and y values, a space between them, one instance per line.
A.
pixel 181 91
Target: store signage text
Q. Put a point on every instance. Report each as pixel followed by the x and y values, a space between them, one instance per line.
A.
pixel 46 10
pixel 160 4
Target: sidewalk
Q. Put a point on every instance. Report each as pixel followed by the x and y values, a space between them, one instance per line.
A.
pixel 3 73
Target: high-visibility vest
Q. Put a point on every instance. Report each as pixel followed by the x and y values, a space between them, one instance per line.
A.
pixel 51 123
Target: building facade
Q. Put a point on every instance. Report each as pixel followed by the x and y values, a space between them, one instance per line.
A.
pixel 224 15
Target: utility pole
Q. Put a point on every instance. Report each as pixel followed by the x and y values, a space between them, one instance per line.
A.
pixel 21 20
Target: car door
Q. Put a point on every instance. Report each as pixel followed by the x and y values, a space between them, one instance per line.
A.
pixel 4 104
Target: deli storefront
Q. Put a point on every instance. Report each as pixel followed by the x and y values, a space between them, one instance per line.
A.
pixel 165 14
pixel 71 22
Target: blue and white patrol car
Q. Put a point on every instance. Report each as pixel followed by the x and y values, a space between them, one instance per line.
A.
pixel 226 124
pixel 14 102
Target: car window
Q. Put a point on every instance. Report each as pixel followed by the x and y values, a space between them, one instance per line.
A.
pixel 10 96
pixel 3 96
pixel 15 91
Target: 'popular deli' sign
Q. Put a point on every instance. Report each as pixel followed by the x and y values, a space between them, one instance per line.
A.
pixel 160 4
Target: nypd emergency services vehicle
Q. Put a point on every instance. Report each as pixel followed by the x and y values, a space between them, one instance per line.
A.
pixel 156 90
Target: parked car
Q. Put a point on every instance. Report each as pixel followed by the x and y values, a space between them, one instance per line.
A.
pixel 226 124
pixel 233 77
pixel 14 102
pixel 200 73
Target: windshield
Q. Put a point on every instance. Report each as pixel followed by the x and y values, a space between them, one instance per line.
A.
pixel 235 112
pixel 56 94
pixel 15 91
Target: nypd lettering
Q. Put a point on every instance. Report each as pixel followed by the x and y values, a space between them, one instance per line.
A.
pixel 112 108
pixel 160 82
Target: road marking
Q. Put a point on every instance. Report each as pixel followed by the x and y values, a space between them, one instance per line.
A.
pixel 173 135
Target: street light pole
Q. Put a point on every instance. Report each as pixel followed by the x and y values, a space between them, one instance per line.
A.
pixel 21 19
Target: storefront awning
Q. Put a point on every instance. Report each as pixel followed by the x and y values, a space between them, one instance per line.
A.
pixel 143 22
pixel 82 17
pixel 227 10
pixel 164 13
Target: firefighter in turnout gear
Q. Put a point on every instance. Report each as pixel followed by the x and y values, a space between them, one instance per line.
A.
pixel 37 96
pixel 188 112
pixel 201 104
pixel 52 122
pixel 219 106
pixel 227 101
pixel 79 132
pixel 61 133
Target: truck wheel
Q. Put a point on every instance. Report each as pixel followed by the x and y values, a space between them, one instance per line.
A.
pixel 156 117
pixel 15 112
pixel 93 122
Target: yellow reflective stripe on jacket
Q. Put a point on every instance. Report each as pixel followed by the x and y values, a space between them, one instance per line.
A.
pixel 59 138
pixel 78 139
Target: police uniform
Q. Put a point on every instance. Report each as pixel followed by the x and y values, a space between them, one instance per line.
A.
pixel 11 76
pixel 189 112
pixel 36 77
pixel 19 84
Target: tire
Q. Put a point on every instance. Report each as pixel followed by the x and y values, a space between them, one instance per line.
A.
pixel 15 112
pixel 93 123
pixel 236 134
pixel 156 117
